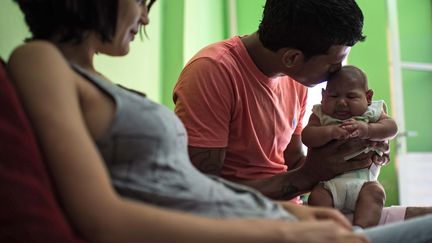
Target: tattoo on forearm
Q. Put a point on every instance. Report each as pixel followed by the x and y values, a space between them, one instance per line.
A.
pixel 289 191
pixel 208 161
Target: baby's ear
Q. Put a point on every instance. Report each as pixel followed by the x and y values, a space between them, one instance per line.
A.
pixel 369 95
pixel 323 93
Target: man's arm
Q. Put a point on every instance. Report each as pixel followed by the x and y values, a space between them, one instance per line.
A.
pixel 207 160
pixel 282 186
pixel 294 154
pixel 320 164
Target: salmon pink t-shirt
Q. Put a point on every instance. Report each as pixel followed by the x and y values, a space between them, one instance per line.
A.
pixel 225 101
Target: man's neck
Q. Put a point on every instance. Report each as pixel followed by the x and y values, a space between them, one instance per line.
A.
pixel 265 59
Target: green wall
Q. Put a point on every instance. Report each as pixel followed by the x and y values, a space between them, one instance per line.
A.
pixel 415 29
pixel 205 23
pixel 12 28
pixel 249 14
pixel 171 50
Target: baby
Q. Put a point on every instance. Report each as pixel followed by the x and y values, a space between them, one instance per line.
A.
pixel 347 111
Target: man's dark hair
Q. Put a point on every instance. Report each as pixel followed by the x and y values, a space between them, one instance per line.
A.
pixel 70 20
pixel 311 26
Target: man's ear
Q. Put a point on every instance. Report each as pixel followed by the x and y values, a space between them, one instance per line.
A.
pixel 369 95
pixel 292 57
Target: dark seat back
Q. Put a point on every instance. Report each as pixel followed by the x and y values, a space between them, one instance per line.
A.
pixel 29 209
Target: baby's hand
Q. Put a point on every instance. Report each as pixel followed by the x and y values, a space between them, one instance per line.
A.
pixel 339 133
pixel 356 129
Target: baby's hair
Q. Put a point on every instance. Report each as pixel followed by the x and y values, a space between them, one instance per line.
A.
pixel 355 71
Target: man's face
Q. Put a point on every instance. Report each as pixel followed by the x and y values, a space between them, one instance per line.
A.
pixel 317 68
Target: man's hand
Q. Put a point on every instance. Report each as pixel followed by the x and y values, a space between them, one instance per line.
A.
pixel 381 146
pixel 328 161
pixel 267 230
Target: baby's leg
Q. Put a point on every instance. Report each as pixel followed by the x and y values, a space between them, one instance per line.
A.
pixel 320 196
pixel 370 203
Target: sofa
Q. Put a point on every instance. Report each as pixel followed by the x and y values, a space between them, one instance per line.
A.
pixel 30 210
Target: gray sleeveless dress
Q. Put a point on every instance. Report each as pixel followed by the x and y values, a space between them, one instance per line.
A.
pixel 145 150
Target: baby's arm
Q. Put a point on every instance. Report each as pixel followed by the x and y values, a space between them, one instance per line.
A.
pixel 315 135
pixel 384 129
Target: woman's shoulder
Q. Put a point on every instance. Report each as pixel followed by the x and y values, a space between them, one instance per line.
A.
pixel 38 57
pixel 36 53
pixel 35 47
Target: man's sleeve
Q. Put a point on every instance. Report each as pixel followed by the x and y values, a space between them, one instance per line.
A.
pixel 203 98
pixel 302 94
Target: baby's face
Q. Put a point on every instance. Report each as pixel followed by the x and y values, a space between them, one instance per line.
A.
pixel 344 97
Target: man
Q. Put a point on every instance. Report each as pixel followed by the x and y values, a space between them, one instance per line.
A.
pixel 242 100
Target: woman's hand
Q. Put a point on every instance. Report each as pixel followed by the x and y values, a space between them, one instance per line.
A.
pixel 309 213
pixel 324 231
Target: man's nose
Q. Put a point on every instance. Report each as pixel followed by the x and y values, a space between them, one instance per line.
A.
pixel 335 67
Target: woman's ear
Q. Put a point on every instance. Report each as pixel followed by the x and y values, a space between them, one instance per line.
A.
pixel 369 95
pixel 292 57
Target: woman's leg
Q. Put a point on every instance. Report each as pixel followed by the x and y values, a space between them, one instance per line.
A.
pixel 416 230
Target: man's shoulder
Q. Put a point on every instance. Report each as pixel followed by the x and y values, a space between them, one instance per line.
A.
pixel 222 52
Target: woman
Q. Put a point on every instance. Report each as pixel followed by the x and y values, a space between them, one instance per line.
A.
pixel 95 134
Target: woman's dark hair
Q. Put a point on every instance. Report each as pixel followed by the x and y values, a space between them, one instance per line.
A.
pixel 70 20
pixel 150 4
pixel 311 26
